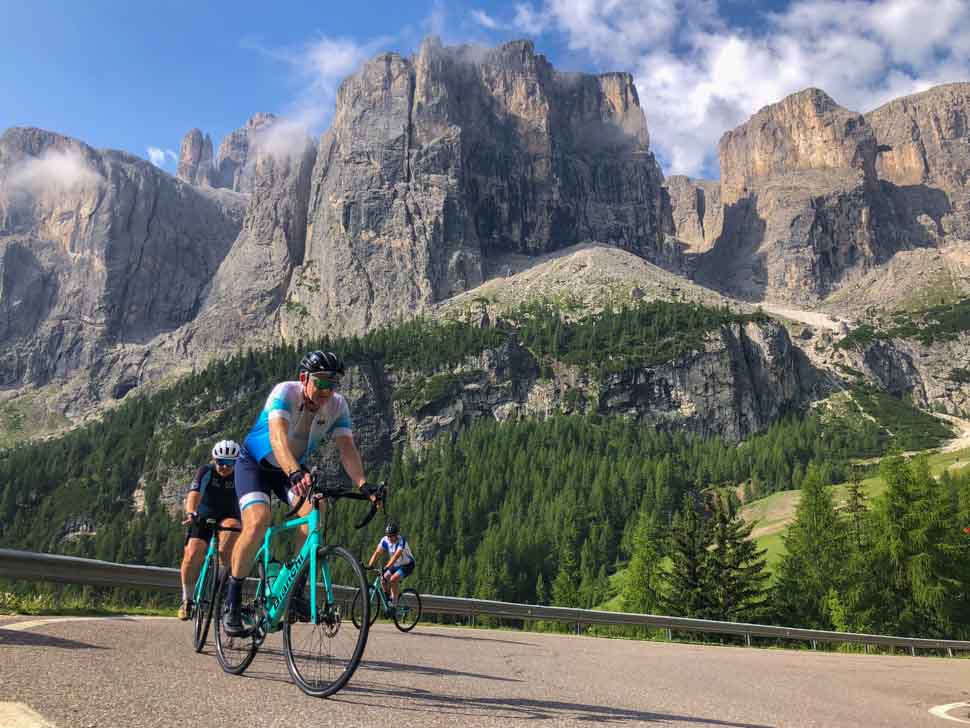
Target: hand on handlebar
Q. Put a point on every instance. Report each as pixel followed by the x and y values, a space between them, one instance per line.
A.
pixel 190 517
pixel 300 482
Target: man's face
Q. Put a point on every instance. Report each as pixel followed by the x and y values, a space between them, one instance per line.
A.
pixel 320 385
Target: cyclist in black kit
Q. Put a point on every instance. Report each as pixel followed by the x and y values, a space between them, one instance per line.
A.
pixel 211 495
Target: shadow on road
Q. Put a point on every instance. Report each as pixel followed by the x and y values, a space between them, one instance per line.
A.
pixel 476 638
pixel 399 667
pixel 12 638
pixel 522 708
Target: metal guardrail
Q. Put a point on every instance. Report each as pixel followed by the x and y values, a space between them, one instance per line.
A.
pixel 31 566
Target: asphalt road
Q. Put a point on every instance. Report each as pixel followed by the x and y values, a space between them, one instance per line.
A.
pixel 143 672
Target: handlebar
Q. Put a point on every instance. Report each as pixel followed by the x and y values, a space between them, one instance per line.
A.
pixel 316 492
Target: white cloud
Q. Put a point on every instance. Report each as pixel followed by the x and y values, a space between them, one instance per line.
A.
pixel 54 171
pixel 157 156
pixel 485 20
pixel 320 66
pixel 697 77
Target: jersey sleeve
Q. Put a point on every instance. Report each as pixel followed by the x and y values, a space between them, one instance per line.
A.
pixel 383 545
pixel 278 405
pixel 341 426
pixel 197 480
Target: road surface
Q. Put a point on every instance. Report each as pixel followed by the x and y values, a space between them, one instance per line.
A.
pixel 142 672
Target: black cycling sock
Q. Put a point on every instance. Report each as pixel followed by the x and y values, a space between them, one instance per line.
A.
pixel 233 592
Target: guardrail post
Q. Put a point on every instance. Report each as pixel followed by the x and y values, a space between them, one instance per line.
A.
pixel 579 628
pixel 912 650
pixel 866 645
pixel 747 639
pixel 670 634
pixel 949 652
pixel 814 645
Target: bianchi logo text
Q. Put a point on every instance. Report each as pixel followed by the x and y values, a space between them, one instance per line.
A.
pixel 277 600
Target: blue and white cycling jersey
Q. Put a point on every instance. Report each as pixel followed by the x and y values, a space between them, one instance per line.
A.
pixel 406 556
pixel 306 428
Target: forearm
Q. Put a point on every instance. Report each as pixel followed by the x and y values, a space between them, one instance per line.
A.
pixel 350 459
pixel 278 439
pixel 192 501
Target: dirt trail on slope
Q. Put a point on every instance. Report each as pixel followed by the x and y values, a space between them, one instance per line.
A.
pixel 812 318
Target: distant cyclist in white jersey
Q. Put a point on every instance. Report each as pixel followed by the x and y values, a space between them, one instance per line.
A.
pixel 400 562
pixel 296 417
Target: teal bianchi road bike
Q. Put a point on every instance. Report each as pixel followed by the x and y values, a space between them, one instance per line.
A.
pixel 405 613
pixel 308 598
pixel 204 596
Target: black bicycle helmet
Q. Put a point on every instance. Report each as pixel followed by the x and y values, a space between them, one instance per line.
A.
pixel 391 529
pixel 322 361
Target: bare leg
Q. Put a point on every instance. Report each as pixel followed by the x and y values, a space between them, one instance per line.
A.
pixel 191 563
pixel 255 520
pixel 395 586
pixel 227 540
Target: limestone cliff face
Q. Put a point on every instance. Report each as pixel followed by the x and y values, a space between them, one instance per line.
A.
pixel 99 252
pixel 436 163
pixel 234 166
pixel 743 380
pixel 803 212
pixel 195 159
pixel 804 131
pixel 696 211
pixel 925 156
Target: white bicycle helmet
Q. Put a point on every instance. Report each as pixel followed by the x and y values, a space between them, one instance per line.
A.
pixel 226 450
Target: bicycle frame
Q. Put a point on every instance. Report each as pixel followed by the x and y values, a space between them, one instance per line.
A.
pixel 213 551
pixel 278 596
pixel 376 588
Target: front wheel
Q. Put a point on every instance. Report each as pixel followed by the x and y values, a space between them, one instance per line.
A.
pixel 323 655
pixel 205 604
pixel 407 611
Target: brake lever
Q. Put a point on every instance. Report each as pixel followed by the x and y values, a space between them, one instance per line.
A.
pixel 374 506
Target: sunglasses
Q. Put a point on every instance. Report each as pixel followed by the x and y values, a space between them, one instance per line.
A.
pixel 325 383
pixel 225 463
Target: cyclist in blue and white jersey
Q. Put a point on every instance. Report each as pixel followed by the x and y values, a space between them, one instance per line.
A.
pixel 296 418
pixel 212 494
pixel 400 562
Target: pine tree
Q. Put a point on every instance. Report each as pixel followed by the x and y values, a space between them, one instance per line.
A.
pixel 735 572
pixel 642 591
pixel 686 592
pixel 814 547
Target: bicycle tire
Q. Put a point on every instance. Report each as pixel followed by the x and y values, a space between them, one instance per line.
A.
pixel 407 612
pixel 204 607
pixel 235 654
pixel 355 609
pixel 343 568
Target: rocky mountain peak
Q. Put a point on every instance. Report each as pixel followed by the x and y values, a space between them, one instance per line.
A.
pixel 804 131
pixel 195 159
pixel 925 137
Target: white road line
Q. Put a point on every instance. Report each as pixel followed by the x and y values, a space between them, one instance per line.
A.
pixel 31 623
pixel 941 711
pixel 19 715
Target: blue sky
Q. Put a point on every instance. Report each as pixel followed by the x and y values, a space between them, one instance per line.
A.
pixel 133 76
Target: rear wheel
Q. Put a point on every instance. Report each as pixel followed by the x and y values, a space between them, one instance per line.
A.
pixel 322 656
pixel 235 653
pixel 205 605
pixel 407 611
